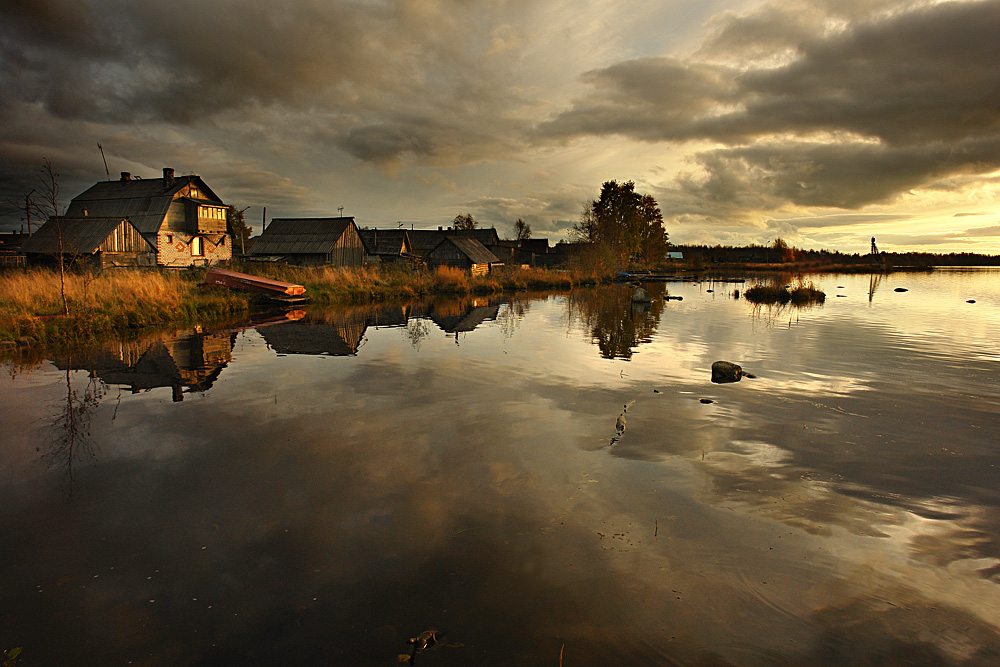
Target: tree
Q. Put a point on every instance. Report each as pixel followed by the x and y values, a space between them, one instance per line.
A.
pixel 465 221
pixel 522 230
pixel 785 252
pixel 49 207
pixel 625 222
pixel 236 226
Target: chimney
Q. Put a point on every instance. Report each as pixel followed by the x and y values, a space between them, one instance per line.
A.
pixel 168 176
pixel 126 176
pixel 440 228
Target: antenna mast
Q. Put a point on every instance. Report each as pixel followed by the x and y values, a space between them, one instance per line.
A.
pixel 106 171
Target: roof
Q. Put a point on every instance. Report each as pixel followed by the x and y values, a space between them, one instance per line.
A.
pixel 143 201
pixel 384 241
pixel 422 241
pixel 472 249
pixel 80 236
pixel 300 236
pixel 485 235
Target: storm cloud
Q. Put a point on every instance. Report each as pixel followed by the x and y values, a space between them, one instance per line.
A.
pixel 415 110
pixel 811 115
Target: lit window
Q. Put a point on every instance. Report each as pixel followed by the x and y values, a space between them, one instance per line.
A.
pixel 170 239
pixel 198 246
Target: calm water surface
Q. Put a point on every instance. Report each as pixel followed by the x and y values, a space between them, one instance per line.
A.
pixel 319 491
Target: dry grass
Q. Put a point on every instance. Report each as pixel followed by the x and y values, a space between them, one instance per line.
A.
pixel 114 303
pixel 104 303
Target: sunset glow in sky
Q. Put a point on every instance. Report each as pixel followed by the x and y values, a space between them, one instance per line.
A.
pixel 824 122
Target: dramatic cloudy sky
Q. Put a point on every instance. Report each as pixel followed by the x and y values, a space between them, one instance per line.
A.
pixel 821 121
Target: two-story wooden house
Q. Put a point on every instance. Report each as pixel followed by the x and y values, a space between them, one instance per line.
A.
pixel 180 216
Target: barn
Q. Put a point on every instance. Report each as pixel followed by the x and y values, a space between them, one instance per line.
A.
pixel 310 242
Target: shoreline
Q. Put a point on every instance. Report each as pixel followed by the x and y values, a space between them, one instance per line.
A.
pixel 127 302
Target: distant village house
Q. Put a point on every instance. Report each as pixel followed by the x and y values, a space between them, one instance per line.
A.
pixel 310 242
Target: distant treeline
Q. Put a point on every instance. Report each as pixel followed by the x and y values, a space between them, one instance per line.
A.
pixel 780 254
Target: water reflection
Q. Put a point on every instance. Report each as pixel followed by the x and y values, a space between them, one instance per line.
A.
pixel 838 509
pixel 616 324
pixel 188 362
pixel 69 438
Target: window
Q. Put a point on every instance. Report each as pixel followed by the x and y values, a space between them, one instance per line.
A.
pixel 198 246
pixel 170 239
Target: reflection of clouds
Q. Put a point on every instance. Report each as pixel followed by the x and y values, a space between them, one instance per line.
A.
pixel 471 488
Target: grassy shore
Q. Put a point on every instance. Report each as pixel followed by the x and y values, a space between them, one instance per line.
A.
pixel 118 303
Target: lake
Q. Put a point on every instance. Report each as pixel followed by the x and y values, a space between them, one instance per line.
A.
pixel 321 487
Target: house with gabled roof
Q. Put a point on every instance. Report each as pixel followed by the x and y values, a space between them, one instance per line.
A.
pixel 100 242
pixel 179 216
pixel 310 242
pixel 463 252
pixel 386 245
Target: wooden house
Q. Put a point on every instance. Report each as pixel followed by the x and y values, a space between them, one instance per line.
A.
pixel 99 242
pixel 310 242
pixel 180 216
pixel 386 245
pixel 463 252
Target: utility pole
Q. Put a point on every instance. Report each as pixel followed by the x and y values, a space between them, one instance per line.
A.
pixel 27 209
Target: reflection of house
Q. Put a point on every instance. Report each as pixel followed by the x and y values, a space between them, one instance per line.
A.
pixel 340 337
pixel 310 242
pixel 101 242
pixel 460 317
pixel 180 216
pixel 462 252
pixel 192 362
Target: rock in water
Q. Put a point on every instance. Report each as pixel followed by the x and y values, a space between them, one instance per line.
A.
pixel 724 371
pixel 641 296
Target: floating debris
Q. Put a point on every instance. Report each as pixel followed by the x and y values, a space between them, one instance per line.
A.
pixel 900 289
pixel 971 301
pixel 706 401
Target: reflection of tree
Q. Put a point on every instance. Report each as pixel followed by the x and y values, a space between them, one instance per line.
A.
pixel 70 426
pixel 416 331
pixel 615 323
pixel 510 316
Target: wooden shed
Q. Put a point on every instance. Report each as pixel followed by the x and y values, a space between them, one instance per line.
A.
pixel 386 245
pixel 100 242
pixel 463 252
pixel 310 242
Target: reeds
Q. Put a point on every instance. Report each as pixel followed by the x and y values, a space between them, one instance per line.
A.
pixel 802 294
